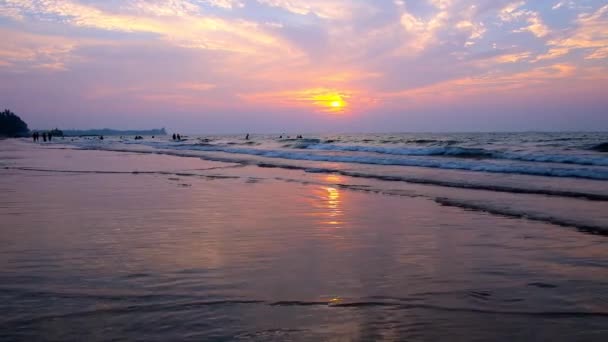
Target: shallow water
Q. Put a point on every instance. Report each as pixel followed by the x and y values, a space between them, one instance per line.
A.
pixel 533 175
pixel 191 249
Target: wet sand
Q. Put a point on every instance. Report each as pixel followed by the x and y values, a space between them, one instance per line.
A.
pixel 99 245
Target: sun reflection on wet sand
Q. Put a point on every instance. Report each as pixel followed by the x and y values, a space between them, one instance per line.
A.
pixel 328 202
pixel 332 202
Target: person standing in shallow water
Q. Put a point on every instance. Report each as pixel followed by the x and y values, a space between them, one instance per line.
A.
pixel 44 136
pixel 174 136
pixel 49 136
pixel 247 136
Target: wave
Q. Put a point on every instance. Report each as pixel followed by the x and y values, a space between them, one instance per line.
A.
pixel 592 196
pixel 603 147
pixel 405 141
pixel 465 152
pixel 300 143
pixel 135 308
pixel 433 151
pixel 454 164
pixel 473 186
pixel 432 141
pixel 496 210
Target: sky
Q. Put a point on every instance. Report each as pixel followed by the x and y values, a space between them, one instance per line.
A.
pixel 231 66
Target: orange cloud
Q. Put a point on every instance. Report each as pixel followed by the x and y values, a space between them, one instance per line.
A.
pixel 176 22
pixel 490 83
pixel 591 34
pixel 21 51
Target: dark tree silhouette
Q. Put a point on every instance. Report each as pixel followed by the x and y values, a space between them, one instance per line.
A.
pixel 11 125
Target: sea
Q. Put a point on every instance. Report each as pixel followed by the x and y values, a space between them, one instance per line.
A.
pixel 323 237
pixel 560 166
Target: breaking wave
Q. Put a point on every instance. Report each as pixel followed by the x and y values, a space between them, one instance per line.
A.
pixel 452 164
pixel 464 152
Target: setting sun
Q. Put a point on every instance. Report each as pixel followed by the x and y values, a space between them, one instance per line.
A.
pixel 330 101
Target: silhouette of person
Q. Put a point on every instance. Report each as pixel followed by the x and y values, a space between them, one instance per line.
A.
pixel 49 135
pixel 34 136
pixel 44 136
pixel 247 136
pixel 101 137
pixel 179 137
pixel 174 136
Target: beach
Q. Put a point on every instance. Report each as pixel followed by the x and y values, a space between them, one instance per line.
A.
pixel 210 240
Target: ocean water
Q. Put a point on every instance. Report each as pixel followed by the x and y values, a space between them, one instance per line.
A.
pixel 577 155
pixel 566 169
pixel 325 238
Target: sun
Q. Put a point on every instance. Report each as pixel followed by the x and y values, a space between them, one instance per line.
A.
pixel 331 102
pixel 327 100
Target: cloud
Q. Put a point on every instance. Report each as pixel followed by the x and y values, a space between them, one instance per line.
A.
pixel 564 4
pixel 422 33
pixel 171 8
pixel 326 9
pixel 175 21
pixel 489 83
pixel 514 12
pixel 11 12
pixel 590 33
pixel 476 30
pixel 22 51
pixel 226 4
pixel 536 27
pixel 294 56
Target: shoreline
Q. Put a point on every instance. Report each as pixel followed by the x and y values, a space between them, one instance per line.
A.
pixel 125 237
pixel 544 204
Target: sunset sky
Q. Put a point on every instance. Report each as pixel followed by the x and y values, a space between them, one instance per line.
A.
pixel 204 66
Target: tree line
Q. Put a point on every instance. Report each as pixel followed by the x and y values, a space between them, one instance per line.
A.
pixel 11 125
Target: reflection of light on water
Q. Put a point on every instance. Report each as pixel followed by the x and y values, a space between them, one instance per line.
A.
pixel 335 300
pixel 332 203
pixel 329 202
pixel 333 198
pixel 333 178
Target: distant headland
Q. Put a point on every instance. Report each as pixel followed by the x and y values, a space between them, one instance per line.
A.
pixel 11 125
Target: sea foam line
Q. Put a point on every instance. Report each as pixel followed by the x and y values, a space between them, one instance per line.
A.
pixel 406 179
pixel 475 166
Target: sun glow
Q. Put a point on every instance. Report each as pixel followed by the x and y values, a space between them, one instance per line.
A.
pixel 332 102
pixel 325 100
pixel 337 104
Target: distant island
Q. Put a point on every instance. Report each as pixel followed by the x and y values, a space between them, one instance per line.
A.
pixel 11 125
pixel 111 132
